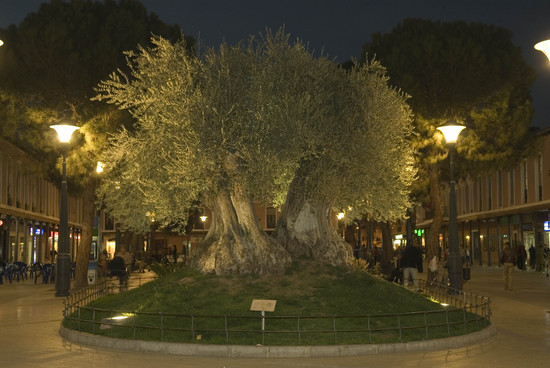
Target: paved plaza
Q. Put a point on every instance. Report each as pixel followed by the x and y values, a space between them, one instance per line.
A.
pixel 30 317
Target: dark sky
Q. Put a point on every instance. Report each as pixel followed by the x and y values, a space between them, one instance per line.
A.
pixel 340 27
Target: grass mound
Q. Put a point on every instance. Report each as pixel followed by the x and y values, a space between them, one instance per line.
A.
pixel 316 304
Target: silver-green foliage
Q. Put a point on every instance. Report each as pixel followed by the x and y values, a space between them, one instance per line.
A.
pixel 249 116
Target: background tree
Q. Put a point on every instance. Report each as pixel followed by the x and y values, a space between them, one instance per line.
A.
pixel 247 123
pixel 51 62
pixel 471 72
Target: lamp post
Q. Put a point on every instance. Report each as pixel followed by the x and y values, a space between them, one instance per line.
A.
pixel 203 219
pixel 63 264
pixel 544 46
pixel 451 131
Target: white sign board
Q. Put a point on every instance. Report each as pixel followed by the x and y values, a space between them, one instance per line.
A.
pixel 263 305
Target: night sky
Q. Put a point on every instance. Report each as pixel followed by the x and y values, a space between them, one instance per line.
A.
pixel 340 27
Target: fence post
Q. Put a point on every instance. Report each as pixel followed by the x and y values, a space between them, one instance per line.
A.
pixel 399 327
pixel 334 329
pixel 227 332
pixel 426 322
pixel 193 327
pixel 134 323
pixel 368 327
pixel 447 320
pixel 299 332
pixel 161 328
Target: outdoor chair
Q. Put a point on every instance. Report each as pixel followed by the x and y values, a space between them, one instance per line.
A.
pixel 47 273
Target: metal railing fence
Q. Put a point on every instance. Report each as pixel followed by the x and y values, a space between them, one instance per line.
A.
pixel 467 313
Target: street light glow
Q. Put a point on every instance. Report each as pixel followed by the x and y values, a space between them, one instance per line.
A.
pixel 64 131
pixel 63 263
pixel 99 167
pixel 544 46
pixel 451 131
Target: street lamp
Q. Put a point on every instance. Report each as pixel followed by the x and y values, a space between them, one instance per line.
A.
pixel 63 264
pixel 544 46
pixel 451 131
pixel 203 219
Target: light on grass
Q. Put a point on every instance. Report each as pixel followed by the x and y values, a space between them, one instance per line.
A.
pixel 115 321
pixel 438 302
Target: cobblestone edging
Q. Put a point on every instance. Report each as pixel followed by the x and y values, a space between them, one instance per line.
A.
pixel 246 351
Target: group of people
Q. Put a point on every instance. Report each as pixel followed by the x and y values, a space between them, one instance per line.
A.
pixel 538 257
pixel 120 266
pixel 411 263
pixel 510 258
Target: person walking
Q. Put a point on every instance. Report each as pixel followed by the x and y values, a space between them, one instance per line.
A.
pixel 126 256
pixel 175 253
pixel 102 263
pixel 521 255
pixel 411 261
pixel 508 261
pixel 540 258
pixel 533 255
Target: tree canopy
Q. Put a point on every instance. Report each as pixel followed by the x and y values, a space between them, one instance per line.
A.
pixel 471 72
pixel 468 72
pixel 252 122
pixel 49 66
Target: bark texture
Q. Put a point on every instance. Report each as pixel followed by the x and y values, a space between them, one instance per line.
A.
pixel 432 244
pixel 304 230
pixel 83 254
pixel 235 243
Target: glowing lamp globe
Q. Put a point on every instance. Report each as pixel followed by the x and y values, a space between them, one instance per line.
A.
pixel 64 132
pixel 544 46
pixel 451 131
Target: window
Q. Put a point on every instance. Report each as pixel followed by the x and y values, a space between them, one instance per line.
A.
pixel 199 223
pixel 524 182
pixel 471 195
pixel 2 178
pixel 489 193
pixel 511 187
pixel 499 189
pixel 463 189
pixel 109 223
pixel 271 217
pixel 479 195
pixel 538 178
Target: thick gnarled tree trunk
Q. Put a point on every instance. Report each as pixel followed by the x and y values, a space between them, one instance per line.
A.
pixel 83 253
pixel 304 230
pixel 432 244
pixel 235 243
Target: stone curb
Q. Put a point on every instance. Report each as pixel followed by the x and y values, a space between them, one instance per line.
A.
pixel 245 351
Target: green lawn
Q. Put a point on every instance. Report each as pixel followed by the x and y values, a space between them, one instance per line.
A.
pixel 316 305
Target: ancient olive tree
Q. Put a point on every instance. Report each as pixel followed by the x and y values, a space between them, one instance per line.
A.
pixel 357 157
pixel 252 123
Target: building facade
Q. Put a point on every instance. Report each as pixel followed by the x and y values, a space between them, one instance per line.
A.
pixel 503 205
pixel 29 210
